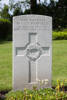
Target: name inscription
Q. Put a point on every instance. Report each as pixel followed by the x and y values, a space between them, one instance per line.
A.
pixel 31 24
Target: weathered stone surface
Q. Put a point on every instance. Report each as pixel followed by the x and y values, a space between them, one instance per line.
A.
pixel 32 50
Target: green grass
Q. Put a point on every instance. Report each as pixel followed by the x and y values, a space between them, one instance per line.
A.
pixel 59 69
pixel 5 65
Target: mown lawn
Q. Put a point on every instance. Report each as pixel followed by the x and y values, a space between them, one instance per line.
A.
pixel 59 69
pixel 5 65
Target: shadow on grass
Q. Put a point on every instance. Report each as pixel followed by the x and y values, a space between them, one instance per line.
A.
pixel 3 41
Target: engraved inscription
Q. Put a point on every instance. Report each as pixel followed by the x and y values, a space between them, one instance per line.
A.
pixel 32 24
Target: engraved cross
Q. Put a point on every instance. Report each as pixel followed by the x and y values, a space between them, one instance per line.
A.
pixel 33 51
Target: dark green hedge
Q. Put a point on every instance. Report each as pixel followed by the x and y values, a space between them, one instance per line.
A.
pixel 5 29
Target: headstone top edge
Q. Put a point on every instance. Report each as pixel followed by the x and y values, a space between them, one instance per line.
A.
pixel 32 15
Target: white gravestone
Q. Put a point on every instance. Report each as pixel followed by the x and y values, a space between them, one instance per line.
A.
pixel 32 50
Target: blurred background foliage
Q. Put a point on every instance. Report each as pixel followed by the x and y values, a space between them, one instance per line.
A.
pixel 56 9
